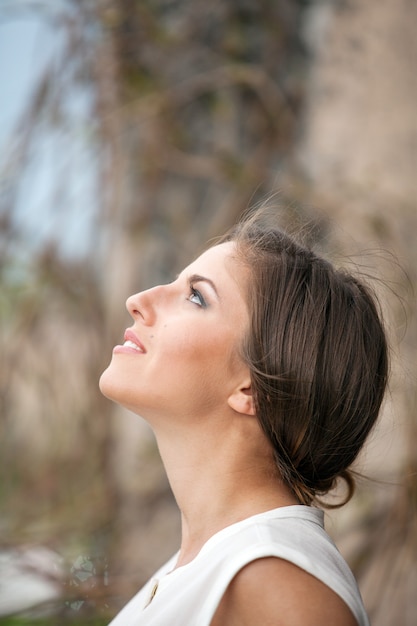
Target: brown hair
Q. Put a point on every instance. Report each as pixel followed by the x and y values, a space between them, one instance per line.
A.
pixel 318 357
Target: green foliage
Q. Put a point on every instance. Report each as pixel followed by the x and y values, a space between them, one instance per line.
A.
pixel 52 621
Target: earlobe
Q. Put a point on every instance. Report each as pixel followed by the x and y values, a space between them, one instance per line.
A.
pixel 241 400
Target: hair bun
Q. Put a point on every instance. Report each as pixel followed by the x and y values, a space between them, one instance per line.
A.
pixel 318 357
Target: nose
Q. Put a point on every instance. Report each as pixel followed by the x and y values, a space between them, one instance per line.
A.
pixel 142 305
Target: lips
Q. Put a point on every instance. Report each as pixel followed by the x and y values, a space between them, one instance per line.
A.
pixel 131 341
pixel 131 345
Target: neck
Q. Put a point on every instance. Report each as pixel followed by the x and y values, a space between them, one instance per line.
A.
pixel 220 471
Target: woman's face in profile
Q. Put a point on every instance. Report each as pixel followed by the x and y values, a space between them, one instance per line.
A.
pixel 181 354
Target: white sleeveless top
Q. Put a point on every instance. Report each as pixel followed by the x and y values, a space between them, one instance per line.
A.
pixel 190 594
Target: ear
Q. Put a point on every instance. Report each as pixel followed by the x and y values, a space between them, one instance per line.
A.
pixel 241 400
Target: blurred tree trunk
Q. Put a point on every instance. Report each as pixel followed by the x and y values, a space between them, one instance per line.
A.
pixel 358 162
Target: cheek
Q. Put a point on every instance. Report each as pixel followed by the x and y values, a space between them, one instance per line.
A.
pixel 204 345
pixel 208 357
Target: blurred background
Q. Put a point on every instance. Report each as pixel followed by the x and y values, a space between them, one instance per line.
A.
pixel 132 132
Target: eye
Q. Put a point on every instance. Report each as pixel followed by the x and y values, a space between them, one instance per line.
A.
pixel 196 297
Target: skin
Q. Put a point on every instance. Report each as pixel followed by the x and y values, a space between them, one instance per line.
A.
pixel 189 382
pixel 187 341
pixel 274 592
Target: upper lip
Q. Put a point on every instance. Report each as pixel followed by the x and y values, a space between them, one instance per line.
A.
pixel 130 336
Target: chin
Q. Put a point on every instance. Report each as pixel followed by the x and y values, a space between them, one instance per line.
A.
pixel 116 390
pixel 107 385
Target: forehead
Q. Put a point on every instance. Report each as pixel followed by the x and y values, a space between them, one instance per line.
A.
pixel 221 264
pixel 219 261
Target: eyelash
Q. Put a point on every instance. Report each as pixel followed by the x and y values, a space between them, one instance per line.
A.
pixel 195 293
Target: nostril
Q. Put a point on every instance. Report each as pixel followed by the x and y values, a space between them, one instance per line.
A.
pixel 132 305
pixel 139 307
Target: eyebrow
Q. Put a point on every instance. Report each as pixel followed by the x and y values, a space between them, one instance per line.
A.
pixel 197 278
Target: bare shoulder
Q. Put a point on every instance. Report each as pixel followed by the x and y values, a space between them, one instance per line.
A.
pixel 275 592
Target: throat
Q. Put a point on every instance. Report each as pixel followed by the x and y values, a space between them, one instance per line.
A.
pixel 221 472
pixel 199 528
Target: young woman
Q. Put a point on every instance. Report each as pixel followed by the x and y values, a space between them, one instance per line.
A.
pixel 261 370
